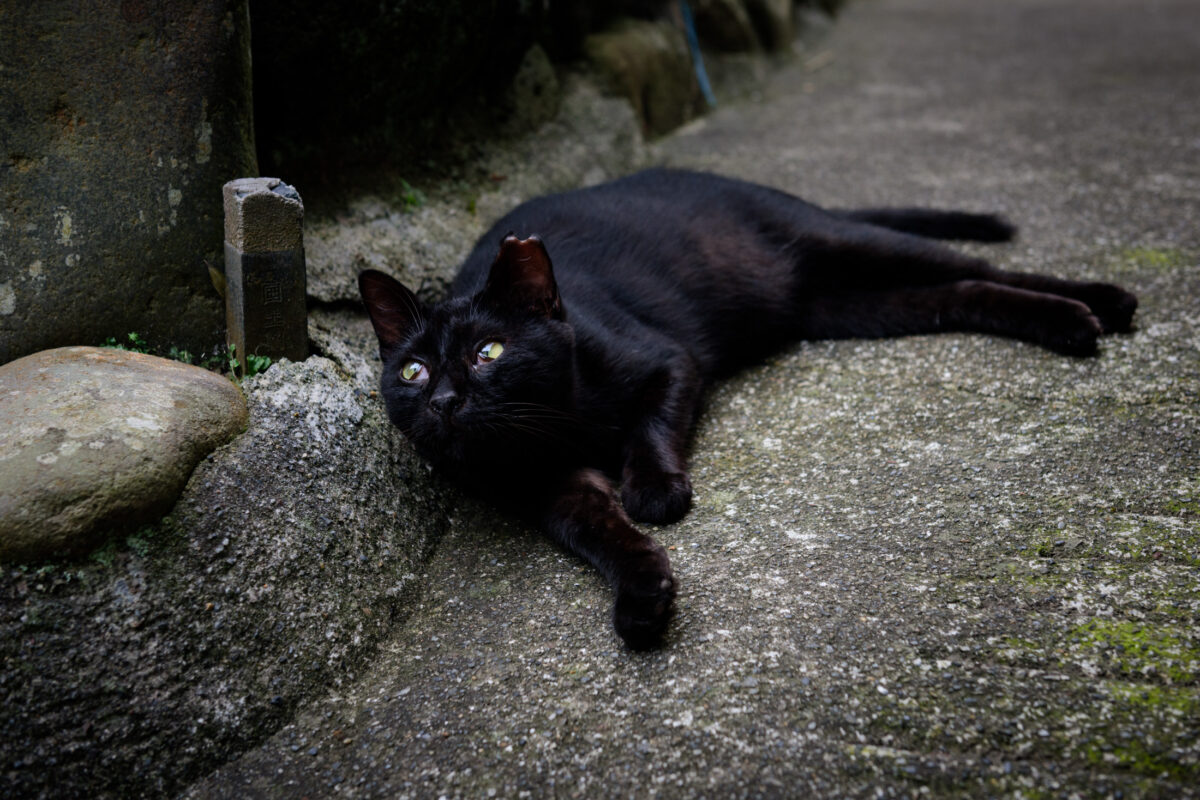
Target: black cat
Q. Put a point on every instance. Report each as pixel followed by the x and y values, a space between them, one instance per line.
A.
pixel 569 393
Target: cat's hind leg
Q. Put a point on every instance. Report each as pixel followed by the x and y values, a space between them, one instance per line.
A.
pixel 866 257
pixel 1111 304
pixel 1052 321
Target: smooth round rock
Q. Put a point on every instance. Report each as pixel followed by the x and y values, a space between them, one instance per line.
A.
pixel 92 439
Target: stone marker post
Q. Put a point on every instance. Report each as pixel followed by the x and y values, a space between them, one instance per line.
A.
pixel 265 309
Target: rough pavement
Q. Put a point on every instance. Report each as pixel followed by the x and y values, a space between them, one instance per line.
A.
pixel 951 565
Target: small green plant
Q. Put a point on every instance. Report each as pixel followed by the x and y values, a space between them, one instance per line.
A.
pixel 410 197
pixel 255 364
pixel 180 355
pixel 214 361
pixel 231 362
pixel 222 359
pixel 106 555
pixel 139 542
pixel 134 343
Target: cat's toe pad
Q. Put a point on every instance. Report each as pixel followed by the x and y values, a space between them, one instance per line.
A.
pixel 658 498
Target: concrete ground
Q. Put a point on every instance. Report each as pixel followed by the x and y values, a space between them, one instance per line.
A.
pixel 945 566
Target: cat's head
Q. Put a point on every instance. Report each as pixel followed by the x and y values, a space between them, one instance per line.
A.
pixel 477 380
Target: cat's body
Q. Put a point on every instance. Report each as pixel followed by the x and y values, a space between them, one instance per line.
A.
pixel 569 392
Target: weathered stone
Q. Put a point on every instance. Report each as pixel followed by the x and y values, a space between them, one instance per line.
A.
pixel 93 439
pixel 121 122
pixel 649 64
pixel 265 288
pixel 724 25
pixel 262 215
pixel 287 558
pixel 534 94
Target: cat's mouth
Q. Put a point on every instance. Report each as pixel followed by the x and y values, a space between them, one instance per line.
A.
pixel 451 421
pixel 455 431
pixel 465 438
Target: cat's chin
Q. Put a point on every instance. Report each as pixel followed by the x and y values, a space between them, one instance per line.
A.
pixel 445 453
pixel 458 453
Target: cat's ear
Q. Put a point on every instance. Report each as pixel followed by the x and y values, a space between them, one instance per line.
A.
pixel 393 309
pixel 523 280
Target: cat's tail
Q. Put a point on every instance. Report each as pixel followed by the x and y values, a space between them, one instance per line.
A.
pixel 935 224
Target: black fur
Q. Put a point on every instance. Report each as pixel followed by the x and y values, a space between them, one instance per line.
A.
pixel 660 283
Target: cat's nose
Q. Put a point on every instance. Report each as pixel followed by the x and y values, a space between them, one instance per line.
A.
pixel 445 401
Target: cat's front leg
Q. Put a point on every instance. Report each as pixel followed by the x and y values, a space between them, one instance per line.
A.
pixel 585 516
pixel 655 486
pixel 654 491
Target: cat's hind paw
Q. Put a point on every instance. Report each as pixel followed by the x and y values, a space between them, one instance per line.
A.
pixel 1112 305
pixel 657 498
pixel 1073 333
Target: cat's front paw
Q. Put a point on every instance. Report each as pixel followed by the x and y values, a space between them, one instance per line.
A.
pixel 645 603
pixel 658 497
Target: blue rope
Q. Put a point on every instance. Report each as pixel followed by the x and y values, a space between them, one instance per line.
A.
pixel 689 29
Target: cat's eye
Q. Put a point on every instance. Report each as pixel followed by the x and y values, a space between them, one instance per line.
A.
pixel 414 371
pixel 489 351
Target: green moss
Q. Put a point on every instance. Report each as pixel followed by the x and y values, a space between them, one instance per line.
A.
pixel 1150 756
pixel 1153 541
pixel 1186 506
pixel 1182 700
pixel 1155 258
pixel 222 359
pixel 139 542
pixel 106 555
pixel 489 589
pixel 1136 648
pixel 1141 758
pixel 1031 793
pixel 1017 643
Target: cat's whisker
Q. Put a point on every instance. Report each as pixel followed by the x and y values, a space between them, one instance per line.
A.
pixel 415 308
pixel 550 434
pixel 549 413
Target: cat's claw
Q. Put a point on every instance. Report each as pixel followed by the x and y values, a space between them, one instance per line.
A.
pixel 644 606
pixel 659 498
